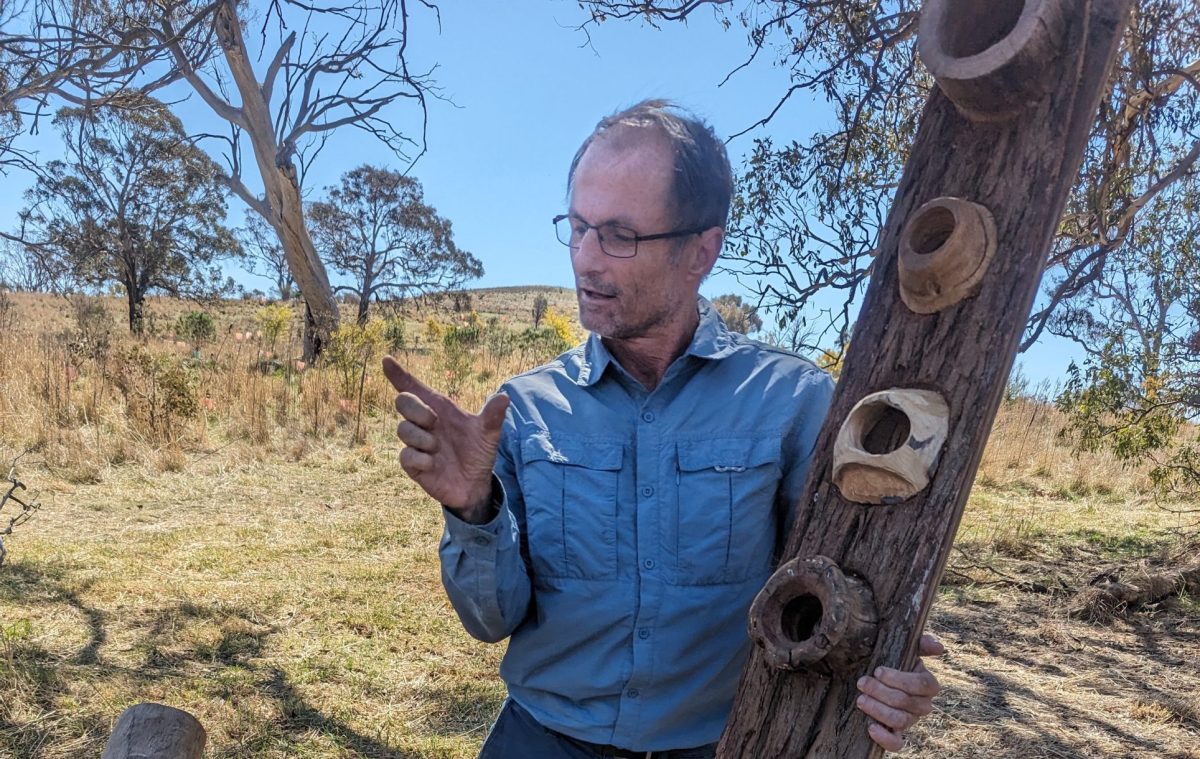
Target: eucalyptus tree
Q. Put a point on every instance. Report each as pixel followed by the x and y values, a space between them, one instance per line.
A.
pixel 282 74
pixel 133 202
pixel 80 54
pixel 376 228
pixel 265 256
pixel 1121 271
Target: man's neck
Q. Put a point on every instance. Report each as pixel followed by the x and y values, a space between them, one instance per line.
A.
pixel 648 358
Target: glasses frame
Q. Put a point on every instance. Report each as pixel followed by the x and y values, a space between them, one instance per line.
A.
pixel 636 237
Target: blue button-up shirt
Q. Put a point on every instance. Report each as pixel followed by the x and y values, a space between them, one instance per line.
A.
pixel 636 527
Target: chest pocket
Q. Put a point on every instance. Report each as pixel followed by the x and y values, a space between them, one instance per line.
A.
pixel 570 489
pixel 725 509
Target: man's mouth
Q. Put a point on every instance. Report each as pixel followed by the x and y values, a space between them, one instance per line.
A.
pixel 595 294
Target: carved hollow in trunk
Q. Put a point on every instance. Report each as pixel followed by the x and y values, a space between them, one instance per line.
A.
pixel 154 731
pixel 888 448
pixel 811 615
pixel 993 58
pixel 945 250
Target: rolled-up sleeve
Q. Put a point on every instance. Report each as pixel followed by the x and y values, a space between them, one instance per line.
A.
pixel 483 568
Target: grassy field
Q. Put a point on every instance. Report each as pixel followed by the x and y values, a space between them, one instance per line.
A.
pixel 267 569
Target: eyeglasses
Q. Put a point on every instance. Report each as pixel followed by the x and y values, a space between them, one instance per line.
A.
pixel 615 240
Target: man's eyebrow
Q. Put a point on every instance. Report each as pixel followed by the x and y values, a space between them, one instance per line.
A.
pixel 619 221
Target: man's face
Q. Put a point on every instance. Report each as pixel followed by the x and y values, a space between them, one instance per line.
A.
pixel 626 298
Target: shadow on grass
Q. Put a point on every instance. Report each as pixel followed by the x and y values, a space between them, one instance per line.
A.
pixel 32 679
pixel 46 585
pixel 1026 680
pixel 182 643
pixel 463 707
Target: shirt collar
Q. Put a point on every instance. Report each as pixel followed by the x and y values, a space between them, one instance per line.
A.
pixel 712 340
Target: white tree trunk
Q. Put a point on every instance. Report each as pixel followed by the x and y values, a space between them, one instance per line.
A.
pixel 282 206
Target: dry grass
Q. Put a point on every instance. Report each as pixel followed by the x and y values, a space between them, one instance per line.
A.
pixel 293 607
pixel 260 571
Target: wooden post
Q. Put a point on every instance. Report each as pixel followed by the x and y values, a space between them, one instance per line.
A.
pixel 961 256
pixel 154 731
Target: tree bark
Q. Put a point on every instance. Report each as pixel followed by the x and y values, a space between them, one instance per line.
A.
pixel 136 301
pixel 1021 169
pixel 284 208
pixel 363 304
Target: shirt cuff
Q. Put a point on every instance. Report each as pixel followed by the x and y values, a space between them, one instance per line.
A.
pixel 486 534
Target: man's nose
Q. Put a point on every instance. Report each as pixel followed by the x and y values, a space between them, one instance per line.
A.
pixel 589 247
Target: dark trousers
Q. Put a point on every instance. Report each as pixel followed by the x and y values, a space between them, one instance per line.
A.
pixel 517 735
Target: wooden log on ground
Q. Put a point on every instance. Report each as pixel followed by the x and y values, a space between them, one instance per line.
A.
pixel 994 160
pixel 1110 595
pixel 154 731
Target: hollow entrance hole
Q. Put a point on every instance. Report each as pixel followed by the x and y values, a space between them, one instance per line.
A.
pixel 972 26
pixel 800 617
pixel 930 230
pixel 885 428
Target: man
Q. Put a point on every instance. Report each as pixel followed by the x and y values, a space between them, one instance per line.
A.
pixel 616 511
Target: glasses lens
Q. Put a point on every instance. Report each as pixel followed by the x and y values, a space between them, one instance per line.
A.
pixel 564 229
pixel 619 242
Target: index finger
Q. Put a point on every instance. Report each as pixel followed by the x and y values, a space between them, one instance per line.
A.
pixel 403 381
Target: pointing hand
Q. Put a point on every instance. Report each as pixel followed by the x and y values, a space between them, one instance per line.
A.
pixel 449 452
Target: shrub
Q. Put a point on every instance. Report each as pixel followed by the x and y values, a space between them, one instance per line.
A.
pixel 457 359
pixel 434 329
pixel 158 390
pixel 275 319
pixel 351 348
pixel 196 327
pixel 394 334
pixel 562 326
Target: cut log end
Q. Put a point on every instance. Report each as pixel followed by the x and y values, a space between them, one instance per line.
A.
pixel 992 58
pixel 945 250
pixel 888 448
pixel 155 731
pixel 810 615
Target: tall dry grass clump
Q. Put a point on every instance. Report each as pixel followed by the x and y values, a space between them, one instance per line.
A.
pixel 1026 449
pixel 80 391
pixel 75 387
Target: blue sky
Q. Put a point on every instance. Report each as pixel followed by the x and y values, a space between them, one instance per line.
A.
pixel 523 88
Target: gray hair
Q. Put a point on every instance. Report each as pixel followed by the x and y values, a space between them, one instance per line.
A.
pixel 703 184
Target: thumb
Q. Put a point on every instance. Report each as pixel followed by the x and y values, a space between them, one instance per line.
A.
pixel 931 646
pixel 493 412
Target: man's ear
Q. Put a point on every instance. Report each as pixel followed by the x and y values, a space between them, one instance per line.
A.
pixel 706 251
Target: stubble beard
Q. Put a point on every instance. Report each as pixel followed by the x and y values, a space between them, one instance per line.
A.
pixel 614 324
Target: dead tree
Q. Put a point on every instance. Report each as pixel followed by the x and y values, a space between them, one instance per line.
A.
pixel 312 85
pixel 24 505
pixel 961 256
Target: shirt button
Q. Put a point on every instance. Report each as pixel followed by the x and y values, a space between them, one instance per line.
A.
pixel 633 693
pixel 648 563
pixel 643 633
pixel 647 416
pixel 482 541
pixel 647 491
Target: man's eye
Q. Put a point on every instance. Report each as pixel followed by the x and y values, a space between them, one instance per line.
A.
pixel 578 229
pixel 620 234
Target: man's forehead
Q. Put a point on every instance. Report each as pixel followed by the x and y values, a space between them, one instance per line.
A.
pixel 621 137
pixel 645 160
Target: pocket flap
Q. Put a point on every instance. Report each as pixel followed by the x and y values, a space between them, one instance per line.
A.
pixel 727 454
pixel 571 451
